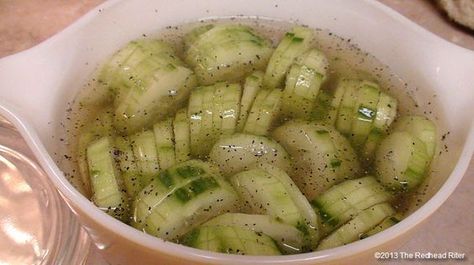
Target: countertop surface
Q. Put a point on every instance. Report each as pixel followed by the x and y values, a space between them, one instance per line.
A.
pixel 25 23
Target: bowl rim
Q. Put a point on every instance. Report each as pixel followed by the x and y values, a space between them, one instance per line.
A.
pixel 187 253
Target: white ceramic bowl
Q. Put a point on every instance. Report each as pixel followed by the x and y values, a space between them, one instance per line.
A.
pixel 36 85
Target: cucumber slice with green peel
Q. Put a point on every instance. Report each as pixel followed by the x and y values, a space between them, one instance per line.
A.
pixel 231 240
pixel 189 206
pixel 365 110
pixel 307 74
pixel 240 152
pixel 373 140
pixel 289 239
pixel 401 161
pixel 343 201
pixel 386 223
pixel 386 112
pixel 253 84
pixel 106 182
pixel 321 156
pixel 254 113
pixel 293 44
pixel 194 34
pixel 421 127
pixel 181 136
pixel 195 115
pixel 321 110
pixel 346 109
pixel 231 107
pixel 227 53
pixel 164 140
pixel 275 194
pixel 100 126
pixel 269 111
pixel 166 184
pixel 207 131
pixel 115 74
pixel 158 93
pixel 128 166
pixel 336 102
pixel 144 149
pixel 218 107
pixel 361 223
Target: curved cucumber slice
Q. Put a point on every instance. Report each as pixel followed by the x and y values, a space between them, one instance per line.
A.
pixel 386 112
pixel 231 240
pixel 181 198
pixel 365 111
pixel 401 161
pixel 268 190
pixel 240 152
pixel 362 222
pixel 164 140
pixel 100 126
pixel 158 85
pixel 253 84
pixel 263 113
pixel 164 185
pixel 227 53
pixel 346 109
pixel 293 44
pixel 144 149
pixel 386 223
pixel 181 136
pixel 321 156
pixel 289 239
pixel 128 166
pixel 231 108
pixel 420 127
pixel 106 182
pixel 341 202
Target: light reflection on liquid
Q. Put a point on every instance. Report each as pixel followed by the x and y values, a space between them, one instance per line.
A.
pixel 23 234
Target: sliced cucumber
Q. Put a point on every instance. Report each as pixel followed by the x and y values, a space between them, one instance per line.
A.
pixel 346 109
pixel 159 86
pixel 231 240
pixel 263 113
pixel 365 111
pixel 164 140
pixel 194 34
pixel 362 222
pixel 321 156
pixel 386 223
pixel 181 198
pixel 420 127
pixel 195 114
pixel 144 149
pixel 386 112
pixel 128 166
pixel 254 112
pixel 293 44
pixel 253 84
pixel 401 161
pixel 114 77
pixel 107 185
pixel 341 202
pixel 167 182
pixel 268 190
pixel 322 110
pixel 303 82
pixel 181 136
pixel 227 53
pixel 231 108
pixel 289 239
pixel 94 129
pixel 336 102
pixel 240 152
